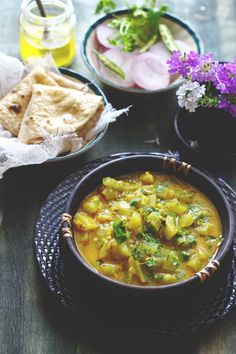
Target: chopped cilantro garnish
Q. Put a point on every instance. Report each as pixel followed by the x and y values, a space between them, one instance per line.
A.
pixel 173 259
pixel 181 274
pixel 119 231
pixel 160 188
pixel 202 219
pixel 184 255
pixel 149 238
pixel 149 275
pixel 137 254
pixel 185 240
pixel 151 262
pixel 141 24
pixel 159 276
pixel 149 229
pixel 105 6
pixel 135 201
pixel 210 238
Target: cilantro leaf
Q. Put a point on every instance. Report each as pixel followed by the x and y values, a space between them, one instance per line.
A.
pixel 137 254
pixel 185 256
pixel 135 201
pixel 136 29
pixel 185 240
pixel 159 276
pixel 149 275
pixel 119 231
pixel 149 238
pixel 105 6
pixel 150 262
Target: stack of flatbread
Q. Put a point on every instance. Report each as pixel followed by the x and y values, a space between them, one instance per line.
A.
pixel 45 103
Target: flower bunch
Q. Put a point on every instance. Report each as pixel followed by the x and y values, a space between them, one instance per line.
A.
pixel 207 83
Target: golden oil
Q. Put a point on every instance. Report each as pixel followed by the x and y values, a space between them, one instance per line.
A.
pixel 53 34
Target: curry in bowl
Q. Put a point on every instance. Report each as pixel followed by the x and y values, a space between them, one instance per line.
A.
pixel 147 229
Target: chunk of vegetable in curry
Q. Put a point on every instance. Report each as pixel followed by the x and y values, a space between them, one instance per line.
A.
pixel 147 229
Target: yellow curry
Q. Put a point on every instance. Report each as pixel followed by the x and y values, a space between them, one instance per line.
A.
pixel 147 229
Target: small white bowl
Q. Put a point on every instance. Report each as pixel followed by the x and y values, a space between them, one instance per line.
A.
pixel 181 30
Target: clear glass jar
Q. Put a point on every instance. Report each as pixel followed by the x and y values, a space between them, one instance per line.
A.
pixel 54 33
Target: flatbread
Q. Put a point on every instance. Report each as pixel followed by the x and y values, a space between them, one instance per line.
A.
pixel 58 111
pixel 14 104
pixel 67 83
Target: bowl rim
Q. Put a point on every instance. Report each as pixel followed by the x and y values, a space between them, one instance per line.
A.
pixel 219 255
pixel 98 91
pixel 197 39
pixel 184 142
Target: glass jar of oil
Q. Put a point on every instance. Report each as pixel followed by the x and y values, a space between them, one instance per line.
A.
pixel 54 33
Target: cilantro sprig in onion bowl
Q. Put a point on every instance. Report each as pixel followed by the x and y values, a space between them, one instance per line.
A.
pixel 128 49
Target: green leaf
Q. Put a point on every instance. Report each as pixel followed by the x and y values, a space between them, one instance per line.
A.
pixel 150 275
pixel 135 201
pixel 185 256
pixel 185 240
pixel 138 28
pixel 159 276
pixel 136 254
pixel 147 237
pixel 162 186
pixel 151 262
pixel 105 6
pixel 119 231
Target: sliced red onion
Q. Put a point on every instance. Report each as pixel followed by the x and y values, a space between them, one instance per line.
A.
pixel 160 50
pixel 124 60
pixel 104 33
pixel 150 72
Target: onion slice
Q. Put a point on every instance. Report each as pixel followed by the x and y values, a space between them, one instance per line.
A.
pixel 124 61
pixel 150 72
pixel 104 33
pixel 160 50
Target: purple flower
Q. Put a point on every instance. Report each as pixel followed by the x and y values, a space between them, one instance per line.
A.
pixel 177 64
pixel 192 59
pixel 232 110
pixel 199 68
pixel 223 103
pixel 225 79
pixel 214 82
pixel 205 70
pixel 227 105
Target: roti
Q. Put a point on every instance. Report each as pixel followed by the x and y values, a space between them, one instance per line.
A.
pixel 68 83
pixel 14 104
pixel 59 111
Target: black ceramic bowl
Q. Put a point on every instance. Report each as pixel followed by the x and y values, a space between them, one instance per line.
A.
pixel 206 133
pixel 131 164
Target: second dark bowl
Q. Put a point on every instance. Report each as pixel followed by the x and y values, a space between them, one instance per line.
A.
pixel 207 133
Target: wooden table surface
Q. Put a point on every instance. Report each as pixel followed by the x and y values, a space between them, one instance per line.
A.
pixel 30 319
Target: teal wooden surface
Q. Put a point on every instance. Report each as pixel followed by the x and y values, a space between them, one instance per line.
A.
pixel 30 319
